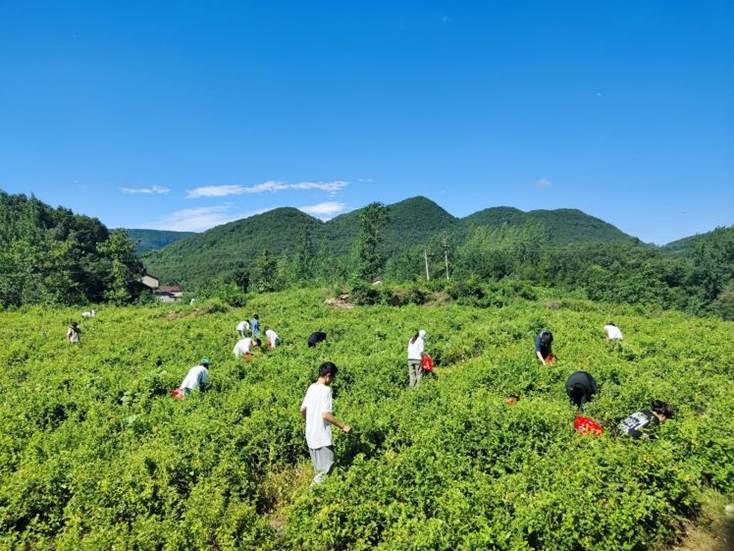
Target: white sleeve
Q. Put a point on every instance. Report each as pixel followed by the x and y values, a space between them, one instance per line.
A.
pixel 303 404
pixel 326 405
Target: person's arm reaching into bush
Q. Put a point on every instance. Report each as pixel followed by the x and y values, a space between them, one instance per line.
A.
pixel 328 416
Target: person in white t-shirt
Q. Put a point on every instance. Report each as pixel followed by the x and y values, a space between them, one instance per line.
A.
pixel 273 338
pixel 244 347
pixel 242 328
pixel 197 376
pixel 318 412
pixel 415 354
pixel 612 332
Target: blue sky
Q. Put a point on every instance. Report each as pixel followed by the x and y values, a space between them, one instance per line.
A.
pixel 189 114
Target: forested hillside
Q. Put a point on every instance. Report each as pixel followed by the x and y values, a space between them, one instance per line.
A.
pixel 414 224
pixel 52 255
pixel 152 240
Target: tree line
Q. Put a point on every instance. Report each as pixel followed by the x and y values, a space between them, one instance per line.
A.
pixel 51 255
pixel 701 282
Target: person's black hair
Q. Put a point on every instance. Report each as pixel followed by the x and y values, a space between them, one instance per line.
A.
pixel 327 368
pixel 258 342
pixel 256 317
pixel 545 336
pixel 662 408
pixel 414 337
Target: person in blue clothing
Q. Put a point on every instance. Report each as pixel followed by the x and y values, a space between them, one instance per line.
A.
pixel 255 325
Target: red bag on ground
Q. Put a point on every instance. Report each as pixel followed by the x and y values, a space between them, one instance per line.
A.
pixel 178 394
pixel 551 358
pixel 585 425
pixel 427 363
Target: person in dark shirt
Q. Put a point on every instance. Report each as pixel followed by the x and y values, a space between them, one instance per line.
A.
pixel 543 342
pixel 580 387
pixel 315 338
pixel 637 424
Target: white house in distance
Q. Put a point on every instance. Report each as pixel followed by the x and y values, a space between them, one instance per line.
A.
pixel 150 282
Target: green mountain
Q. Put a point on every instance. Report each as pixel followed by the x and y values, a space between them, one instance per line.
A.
pixel 563 226
pixel 687 245
pixel 413 222
pixel 226 248
pixel 152 240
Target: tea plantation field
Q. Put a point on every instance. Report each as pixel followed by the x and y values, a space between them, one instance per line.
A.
pixel 95 454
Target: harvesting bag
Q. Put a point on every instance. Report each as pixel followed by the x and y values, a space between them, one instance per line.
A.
pixel 585 425
pixel 427 363
pixel 178 394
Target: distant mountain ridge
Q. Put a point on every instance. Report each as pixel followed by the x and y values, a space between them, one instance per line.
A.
pixel 413 222
pixel 152 240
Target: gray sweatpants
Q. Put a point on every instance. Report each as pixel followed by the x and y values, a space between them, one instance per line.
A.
pixel 322 460
pixel 414 372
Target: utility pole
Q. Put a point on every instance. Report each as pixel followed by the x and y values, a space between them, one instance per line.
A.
pixel 425 257
pixel 446 256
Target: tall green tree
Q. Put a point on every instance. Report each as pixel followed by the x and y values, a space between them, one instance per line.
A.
pixel 370 257
pixel 124 267
pixel 265 273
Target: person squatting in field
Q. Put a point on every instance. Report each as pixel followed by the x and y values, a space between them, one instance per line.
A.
pixel 612 332
pixel 315 338
pixel 244 347
pixel 580 387
pixel 416 344
pixel 197 376
pixel 318 411
pixel 543 351
pixel 242 328
pixel 638 424
pixel 73 333
pixel 272 337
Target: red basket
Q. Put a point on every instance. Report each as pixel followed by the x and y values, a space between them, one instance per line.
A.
pixel 585 425
pixel 178 394
pixel 427 363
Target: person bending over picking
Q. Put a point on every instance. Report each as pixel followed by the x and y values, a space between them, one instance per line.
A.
pixel 244 347
pixel 416 344
pixel 315 338
pixel 580 387
pixel 73 333
pixel 273 338
pixel 612 332
pixel 637 424
pixel 543 342
pixel 318 412
pixel 197 376
pixel 242 328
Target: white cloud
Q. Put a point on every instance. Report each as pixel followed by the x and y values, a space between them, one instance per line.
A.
pixel 148 190
pixel 271 186
pixel 324 210
pixel 543 183
pixel 200 219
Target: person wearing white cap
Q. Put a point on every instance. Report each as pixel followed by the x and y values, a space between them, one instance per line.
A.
pixel 415 354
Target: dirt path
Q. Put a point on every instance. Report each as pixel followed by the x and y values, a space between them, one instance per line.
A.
pixel 713 530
